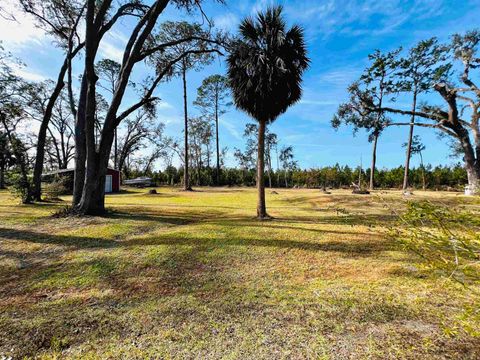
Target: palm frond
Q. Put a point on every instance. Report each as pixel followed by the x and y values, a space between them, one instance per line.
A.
pixel 266 65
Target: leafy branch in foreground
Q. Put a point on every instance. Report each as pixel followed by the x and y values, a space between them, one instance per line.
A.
pixel 447 239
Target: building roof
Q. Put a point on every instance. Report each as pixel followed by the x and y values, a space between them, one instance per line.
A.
pixel 64 171
pixel 139 180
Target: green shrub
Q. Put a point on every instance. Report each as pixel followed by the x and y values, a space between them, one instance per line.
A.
pixel 20 187
pixel 448 239
pixel 57 187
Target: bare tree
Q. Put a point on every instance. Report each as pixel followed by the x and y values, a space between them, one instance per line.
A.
pixel 416 147
pixel 140 131
pixel 61 20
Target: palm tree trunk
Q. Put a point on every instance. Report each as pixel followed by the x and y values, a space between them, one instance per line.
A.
pixel 186 178
pixel 374 160
pixel 409 146
pixel 217 142
pixel 261 207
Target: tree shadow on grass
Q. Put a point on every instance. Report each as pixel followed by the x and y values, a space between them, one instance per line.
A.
pixel 65 240
pixel 350 248
pixel 277 224
pixel 353 248
pixel 348 219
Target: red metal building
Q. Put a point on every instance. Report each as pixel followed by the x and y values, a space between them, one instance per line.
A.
pixel 112 181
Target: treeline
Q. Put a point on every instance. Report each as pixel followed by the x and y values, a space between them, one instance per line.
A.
pixel 434 178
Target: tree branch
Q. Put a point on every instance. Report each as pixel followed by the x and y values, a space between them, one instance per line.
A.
pixel 161 47
pixel 435 126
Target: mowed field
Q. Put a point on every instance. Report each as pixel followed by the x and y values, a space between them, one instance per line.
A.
pixel 193 275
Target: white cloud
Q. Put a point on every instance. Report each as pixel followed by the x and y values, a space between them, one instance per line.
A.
pixel 21 31
pixel 360 17
pixel 231 129
pixel 28 74
pixel 163 105
pixel 228 21
pixel 111 51
pixel 318 102
pixel 113 46
pixel 338 78
pixel 169 119
pixel 261 5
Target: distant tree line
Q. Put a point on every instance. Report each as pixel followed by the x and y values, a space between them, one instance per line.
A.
pixel 436 178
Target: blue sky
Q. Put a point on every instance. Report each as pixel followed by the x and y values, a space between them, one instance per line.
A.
pixel 339 33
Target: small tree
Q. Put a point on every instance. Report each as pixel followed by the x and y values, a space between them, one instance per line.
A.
pixel 419 71
pixel 265 69
pixel 447 239
pixel 416 147
pixel 107 71
pixel 6 157
pixel 376 82
pixel 212 98
pixel 286 159
pixel 12 105
pixel 196 57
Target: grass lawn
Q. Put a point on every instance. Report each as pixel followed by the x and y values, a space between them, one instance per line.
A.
pixel 194 275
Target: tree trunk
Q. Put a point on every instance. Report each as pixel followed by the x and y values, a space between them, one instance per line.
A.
pixel 472 165
pixel 93 195
pixel 286 177
pixel 2 175
pixel 217 142
pixel 374 160
pixel 424 186
pixel 261 207
pixel 42 136
pixel 115 158
pixel 269 165
pixel 186 178
pixel 473 174
pixel 80 145
pixel 409 145
pixel 88 203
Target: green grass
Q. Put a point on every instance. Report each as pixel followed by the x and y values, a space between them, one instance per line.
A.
pixel 194 275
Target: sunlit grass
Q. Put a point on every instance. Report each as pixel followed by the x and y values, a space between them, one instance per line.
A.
pixel 194 275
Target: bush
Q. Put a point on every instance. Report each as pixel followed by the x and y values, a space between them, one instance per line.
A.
pixel 448 239
pixel 57 187
pixel 20 188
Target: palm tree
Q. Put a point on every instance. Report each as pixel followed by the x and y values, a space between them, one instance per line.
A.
pixel 265 68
